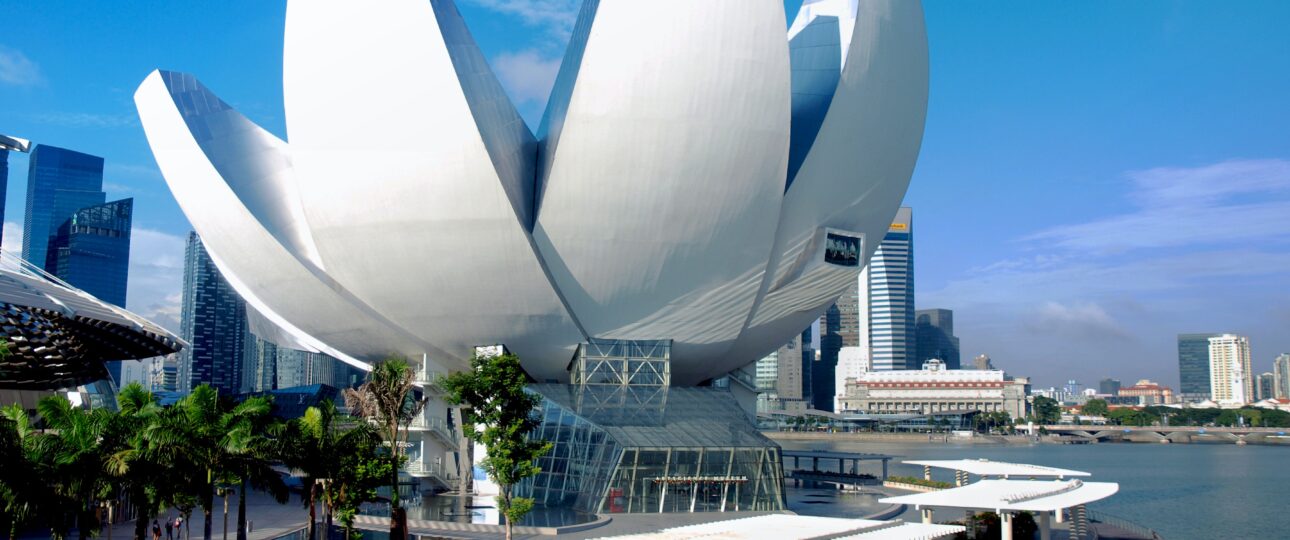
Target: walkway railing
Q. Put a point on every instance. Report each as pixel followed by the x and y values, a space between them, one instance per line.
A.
pixel 1123 524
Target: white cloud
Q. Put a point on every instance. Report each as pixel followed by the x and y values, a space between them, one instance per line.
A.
pixel 527 75
pixel 1083 320
pixel 156 276
pixel 84 120
pixel 556 17
pixel 12 238
pixel 1226 202
pixel 18 70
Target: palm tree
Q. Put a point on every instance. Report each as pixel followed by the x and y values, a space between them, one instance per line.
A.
pixel 249 447
pixel 22 490
pixel 138 469
pixel 334 455
pixel 388 399
pixel 75 452
pixel 188 435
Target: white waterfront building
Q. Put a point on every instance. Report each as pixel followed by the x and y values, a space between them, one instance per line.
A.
pixel 1230 374
pixel 853 362
pixel 935 389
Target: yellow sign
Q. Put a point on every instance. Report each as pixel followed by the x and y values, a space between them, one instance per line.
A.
pixel 899 227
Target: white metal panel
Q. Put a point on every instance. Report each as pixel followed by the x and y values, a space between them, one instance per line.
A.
pixel 658 210
pixel 857 170
pixel 414 215
pixel 270 278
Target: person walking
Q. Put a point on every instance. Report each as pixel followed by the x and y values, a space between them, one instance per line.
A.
pixel 156 530
pixel 170 526
pixel 179 527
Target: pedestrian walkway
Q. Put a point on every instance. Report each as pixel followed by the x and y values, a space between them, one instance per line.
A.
pixel 266 518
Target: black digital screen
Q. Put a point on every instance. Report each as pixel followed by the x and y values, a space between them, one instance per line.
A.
pixel 841 250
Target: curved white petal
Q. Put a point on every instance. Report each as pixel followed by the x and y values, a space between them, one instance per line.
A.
pixel 423 210
pixel 672 127
pixel 188 134
pixel 856 172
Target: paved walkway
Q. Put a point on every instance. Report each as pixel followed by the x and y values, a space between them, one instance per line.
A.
pixel 266 517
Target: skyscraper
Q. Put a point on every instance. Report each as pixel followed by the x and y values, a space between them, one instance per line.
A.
pixel 1193 367
pixel 891 292
pixel 91 250
pixel 824 368
pixel 788 379
pixel 59 182
pixel 853 313
pixel 982 362
pixel 934 337
pixel 1281 376
pixel 4 187
pixel 1230 377
pixel 262 359
pixel 1109 387
pixel 1265 387
pixel 213 321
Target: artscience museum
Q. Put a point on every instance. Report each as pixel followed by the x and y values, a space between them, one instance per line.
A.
pixel 701 187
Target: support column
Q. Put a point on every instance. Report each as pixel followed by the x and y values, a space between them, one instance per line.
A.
pixel 1045 528
pixel 1005 525
pixel 1060 514
pixel 927 472
pixel 884 470
pixel 927 515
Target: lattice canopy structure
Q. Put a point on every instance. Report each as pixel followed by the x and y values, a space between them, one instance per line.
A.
pixel 58 336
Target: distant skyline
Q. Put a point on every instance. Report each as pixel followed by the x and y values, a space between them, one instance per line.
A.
pixel 1095 178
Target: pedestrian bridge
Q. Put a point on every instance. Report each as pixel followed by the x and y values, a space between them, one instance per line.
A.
pixel 1167 434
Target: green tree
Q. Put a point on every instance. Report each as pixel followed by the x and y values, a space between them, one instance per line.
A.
pixel 1095 407
pixel 340 462
pixel 499 413
pixel 249 447
pixel 189 435
pixel 134 466
pixel 1046 411
pixel 388 398
pixel 74 459
pixel 22 489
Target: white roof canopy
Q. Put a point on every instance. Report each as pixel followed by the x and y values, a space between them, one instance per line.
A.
pixel 1013 495
pixel 983 467
pixel 794 527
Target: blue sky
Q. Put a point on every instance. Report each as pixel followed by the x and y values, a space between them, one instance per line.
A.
pixel 1095 178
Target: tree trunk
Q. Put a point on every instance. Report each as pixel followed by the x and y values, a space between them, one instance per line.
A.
pixel 241 512
pixel 141 523
pixel 398 517
pixel 225 492
pixel 208 505
pixel 506 508
pixel 313 488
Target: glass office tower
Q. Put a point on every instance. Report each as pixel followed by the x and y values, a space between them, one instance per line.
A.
pixel 934 338
pixel 91 250
pixel 1193 367
pixel 4 188
pixel 891 293
pixel 213 322
pixel 59 182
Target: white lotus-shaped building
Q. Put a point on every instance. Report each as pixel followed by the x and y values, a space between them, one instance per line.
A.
pixel 697 177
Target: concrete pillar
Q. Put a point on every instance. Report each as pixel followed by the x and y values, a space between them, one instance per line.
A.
pixel 927 472
pixel 1060 514
pixel 1045 528
pixel 1005 525
pixel 927 515
pixel 884 470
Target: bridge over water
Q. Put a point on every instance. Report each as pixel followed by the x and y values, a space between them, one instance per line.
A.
pixel 1169 434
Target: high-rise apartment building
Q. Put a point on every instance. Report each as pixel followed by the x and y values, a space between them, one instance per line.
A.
pixel 1109 387
pixel 1281 376
pixel 1265 387
pixel 262 362
pixel 1193 367
pixel 934 337
pixel 91 250
pixel 891 297
pixel 1230 376
pixel 213 321
pixel 59 182
pixel 302 368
